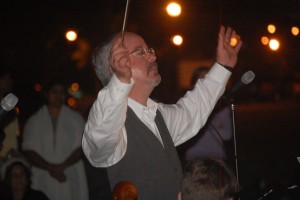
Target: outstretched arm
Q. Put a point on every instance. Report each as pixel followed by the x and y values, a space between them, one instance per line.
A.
pixel 191 112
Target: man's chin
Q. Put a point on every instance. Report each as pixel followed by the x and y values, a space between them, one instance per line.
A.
pixel 157 82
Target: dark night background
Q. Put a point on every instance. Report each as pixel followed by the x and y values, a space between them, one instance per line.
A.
pixel 267 111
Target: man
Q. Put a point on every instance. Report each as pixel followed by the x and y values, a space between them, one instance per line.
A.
pixel 135 137
pixel 208 178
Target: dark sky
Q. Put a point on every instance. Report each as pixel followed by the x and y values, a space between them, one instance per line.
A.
pixel 29 28
pixel 33 44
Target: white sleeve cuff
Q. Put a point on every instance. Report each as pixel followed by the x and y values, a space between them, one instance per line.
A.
pixel 118 89
pixel 218 73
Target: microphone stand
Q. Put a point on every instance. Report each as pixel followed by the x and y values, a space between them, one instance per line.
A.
pixel 234 139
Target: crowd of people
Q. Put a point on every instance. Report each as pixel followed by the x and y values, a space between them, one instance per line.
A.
pixel 127 136
pixel 49 165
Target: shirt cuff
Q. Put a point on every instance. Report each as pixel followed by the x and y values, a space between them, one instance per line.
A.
pixel 118 89
pixel 218 73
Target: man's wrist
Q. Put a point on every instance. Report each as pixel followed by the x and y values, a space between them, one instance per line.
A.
pixel 226 67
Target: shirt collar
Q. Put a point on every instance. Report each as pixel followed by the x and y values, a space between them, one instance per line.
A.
pixel 140 109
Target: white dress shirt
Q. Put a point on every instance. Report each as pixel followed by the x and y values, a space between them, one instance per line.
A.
pixel 146 114
pixel 104 140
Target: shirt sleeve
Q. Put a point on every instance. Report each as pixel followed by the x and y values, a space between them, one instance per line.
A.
pixel 185 118
pixel 104 140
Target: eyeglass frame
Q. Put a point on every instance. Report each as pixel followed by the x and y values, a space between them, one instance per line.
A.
pixel 144 51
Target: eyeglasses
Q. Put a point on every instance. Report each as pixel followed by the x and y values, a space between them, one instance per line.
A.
pixel 143 51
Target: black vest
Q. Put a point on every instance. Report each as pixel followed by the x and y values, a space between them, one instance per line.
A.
pixel 153 168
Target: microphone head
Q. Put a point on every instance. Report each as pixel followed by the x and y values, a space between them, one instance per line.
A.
pixel 9 102
pixel 247 77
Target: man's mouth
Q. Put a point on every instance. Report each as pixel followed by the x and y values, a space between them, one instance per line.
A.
pixel 153 66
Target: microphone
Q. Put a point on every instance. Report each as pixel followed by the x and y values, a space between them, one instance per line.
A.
pixel 246 78
pixel 7 104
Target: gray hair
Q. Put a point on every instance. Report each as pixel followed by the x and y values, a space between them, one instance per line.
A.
pixel 101 62
pixel 101 58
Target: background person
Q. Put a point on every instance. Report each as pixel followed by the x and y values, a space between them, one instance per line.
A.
pixel 208 178
pixel 9 123
pixel 17 179
pixel 51 142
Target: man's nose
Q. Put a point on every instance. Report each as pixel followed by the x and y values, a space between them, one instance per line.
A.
pixel 151 57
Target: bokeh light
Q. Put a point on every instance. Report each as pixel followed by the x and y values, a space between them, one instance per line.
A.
pixel 173 9
pixel 264 40
pixel 271 28
pixel 72 102
pixel 71 35
pixel 177 40
pixel 234 40
pixel 74 86
pixel 274 44
pixel 74 91
pixel 295 30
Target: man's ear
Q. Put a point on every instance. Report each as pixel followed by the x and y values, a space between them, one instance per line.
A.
pixel 179 196
pixel 230 198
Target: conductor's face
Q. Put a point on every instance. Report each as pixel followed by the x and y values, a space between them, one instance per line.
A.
pixel 143 66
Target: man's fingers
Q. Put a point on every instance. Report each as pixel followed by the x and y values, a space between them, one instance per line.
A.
pixel 115 49
pixel 228 34
pixel 117 44
pixel 119 58
pixel 238 46
pixel 222 30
